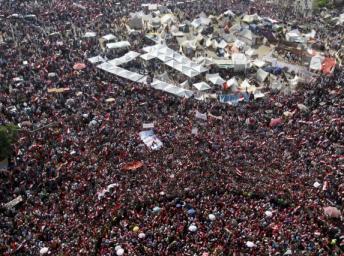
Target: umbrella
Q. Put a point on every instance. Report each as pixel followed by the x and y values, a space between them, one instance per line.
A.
pixel 110 100
pixel 250 244
pixel 316 184
pixel 268 213
pixel 202 86
pixel 191 211
pixel 275 122
pixel 192 228
pixel 79 66
pixel 120 252
pixel 26 123
pixel 132 166
pixel 43 251
pixel 211 217
pixel 332 212
pixel 156 209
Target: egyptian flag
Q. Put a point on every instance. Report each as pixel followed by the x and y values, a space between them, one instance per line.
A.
pixel 225 86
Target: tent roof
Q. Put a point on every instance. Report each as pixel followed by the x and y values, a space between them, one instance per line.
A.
pixel 147 56
pixel 215 79
pixel 178 91
pixel 239 59
pixel 316 62
pixel 90 34
pixel 121 44
pixel 109 37
pixel 262 75
pixel 202 86
pixel 129 56
pixel 96 59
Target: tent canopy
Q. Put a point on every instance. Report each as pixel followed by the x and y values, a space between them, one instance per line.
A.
pixel 96 59
pixel 129 56
pixel 202 86
pixel 117 45
pixel 108 37
pixel 315 63
pixel 215 79
pixel 261 75
pixel 90 34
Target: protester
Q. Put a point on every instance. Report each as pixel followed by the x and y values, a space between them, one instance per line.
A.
pixel 231 184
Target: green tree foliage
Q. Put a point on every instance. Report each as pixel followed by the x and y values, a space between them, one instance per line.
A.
pixel 7 135
pixel 322 3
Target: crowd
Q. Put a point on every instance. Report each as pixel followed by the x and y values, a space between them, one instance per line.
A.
pixel 230 185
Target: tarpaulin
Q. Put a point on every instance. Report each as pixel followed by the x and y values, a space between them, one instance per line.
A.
pixel 132 166
pixel 328 65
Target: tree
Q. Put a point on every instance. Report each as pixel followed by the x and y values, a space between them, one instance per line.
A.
pixel 322 3
pixel 7 135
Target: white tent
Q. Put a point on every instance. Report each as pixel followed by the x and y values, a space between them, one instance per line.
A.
pixel 251 52
pixel 229 13
pixel 258 94
pixel 173 64
pixel 250 18
pixel 189 44
pixel 246 86
pixel 239 44
pixel 259 63
pixel 155 22
pixel 247 37
pixel 164 77
pixel 178 91
pixel 294 36
pixel 340 19
pixel 184 84
pixel 233 84
pixel 202 86
pixel 129 56
pixel 90 34
pixel 215 79
pixel 311 35
pixel 235 28
pixel 164 58
pixel 96 59
pixel 121 72
pixel 166 52
pixel 202 21
pixel 239 61
pixel 121 44
pixel 189 72
pixel 168 18
pixel 151 140
pixel 261 75
pixel 197 67
pixel 109 37
pixel 316 63
pixel 204 61
pixel 222 44
pixel 147 56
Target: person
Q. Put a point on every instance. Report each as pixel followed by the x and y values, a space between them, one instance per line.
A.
pixel 251 98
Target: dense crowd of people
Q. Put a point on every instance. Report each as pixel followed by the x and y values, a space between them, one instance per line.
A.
pixel 230 185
